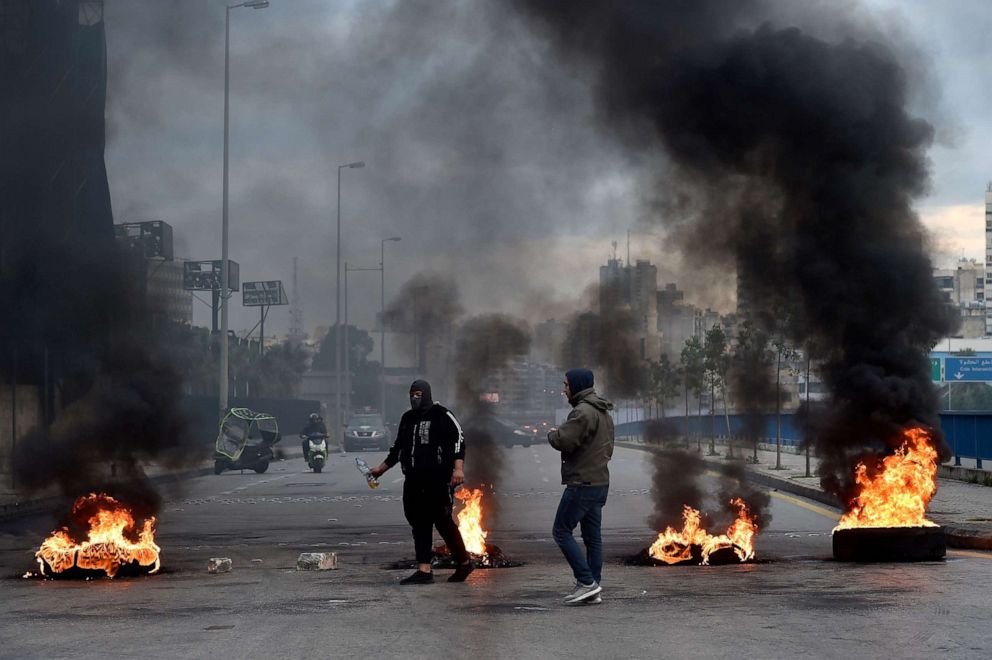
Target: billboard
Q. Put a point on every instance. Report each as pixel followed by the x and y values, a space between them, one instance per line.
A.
pixel 153 238
pixel 261 294
pixel 205 275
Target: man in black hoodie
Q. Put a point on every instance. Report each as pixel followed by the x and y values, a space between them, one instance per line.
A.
pixel 430 449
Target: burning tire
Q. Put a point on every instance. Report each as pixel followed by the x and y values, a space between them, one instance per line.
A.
pixel 889 544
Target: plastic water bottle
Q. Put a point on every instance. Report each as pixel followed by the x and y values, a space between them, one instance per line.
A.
pixel 364 468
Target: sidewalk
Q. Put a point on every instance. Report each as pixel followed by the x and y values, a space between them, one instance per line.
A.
pixel 14 504
pixel 963 509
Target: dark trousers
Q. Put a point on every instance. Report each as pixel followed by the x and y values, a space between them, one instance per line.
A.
pixel 428 504
pixel 582 505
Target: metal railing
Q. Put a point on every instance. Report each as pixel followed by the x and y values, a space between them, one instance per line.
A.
pixel 969 434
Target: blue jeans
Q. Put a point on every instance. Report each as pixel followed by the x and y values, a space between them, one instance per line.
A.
pixel 582 505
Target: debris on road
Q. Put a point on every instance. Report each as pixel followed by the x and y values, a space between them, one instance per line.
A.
pixel 317 561
pixel 219 565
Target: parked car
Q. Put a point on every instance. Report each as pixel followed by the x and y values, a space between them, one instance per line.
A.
pixel 366 431
pixel 503 432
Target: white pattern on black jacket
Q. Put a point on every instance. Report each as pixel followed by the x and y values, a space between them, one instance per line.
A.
pixel 428 443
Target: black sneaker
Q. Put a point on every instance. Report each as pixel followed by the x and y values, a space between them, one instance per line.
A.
pixel 462 572
pixel 418 577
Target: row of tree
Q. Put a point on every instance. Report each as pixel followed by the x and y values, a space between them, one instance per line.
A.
pixel 195 353
pixel 751 368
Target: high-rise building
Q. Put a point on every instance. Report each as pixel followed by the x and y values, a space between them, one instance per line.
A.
pixel 633 289
pixel 988 255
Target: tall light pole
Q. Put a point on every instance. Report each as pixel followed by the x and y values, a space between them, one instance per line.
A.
pixel 347 344
pixel 382 325
pixel 224 295
pixel 337 310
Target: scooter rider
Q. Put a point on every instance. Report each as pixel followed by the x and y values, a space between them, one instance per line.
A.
pixel 314 426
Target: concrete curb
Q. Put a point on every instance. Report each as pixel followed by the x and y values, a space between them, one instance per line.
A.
pixel 40 505
pixel 969 538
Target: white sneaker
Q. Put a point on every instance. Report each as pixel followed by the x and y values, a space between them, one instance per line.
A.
pixel 582 592
pixel 595 600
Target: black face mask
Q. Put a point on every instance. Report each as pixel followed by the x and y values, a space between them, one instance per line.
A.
pixel 425 401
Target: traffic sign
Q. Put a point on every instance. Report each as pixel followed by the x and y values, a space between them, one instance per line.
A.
pixel 968 369
pixel 935 370
pixel 263 294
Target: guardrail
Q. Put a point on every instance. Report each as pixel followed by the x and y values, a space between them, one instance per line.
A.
pixel 969 434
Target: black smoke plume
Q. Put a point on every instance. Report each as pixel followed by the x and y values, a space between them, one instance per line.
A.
pixel 485 345
pixel 75 332
pixel 609 344
pixel 790 136
pixel 675 475
pixel 676 482
pixel 425 311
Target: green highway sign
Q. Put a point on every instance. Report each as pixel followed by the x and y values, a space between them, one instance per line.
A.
pixel 935 370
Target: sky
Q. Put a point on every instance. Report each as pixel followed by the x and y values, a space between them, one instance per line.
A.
pixel 483 151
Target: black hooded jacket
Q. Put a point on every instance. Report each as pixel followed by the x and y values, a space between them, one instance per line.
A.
pixel 428 443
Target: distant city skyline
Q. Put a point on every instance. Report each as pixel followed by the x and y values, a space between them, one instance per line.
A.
pixel 526 208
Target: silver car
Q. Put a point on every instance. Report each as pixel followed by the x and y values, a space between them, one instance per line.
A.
pixel 366 431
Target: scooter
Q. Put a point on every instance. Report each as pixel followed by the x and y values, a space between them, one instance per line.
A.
pixel 316 455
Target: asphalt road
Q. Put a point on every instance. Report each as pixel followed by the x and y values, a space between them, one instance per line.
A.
pixel 794 601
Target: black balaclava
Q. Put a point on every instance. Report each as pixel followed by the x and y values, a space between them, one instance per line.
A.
pixel 425 400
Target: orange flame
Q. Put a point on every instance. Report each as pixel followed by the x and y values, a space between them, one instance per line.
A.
pixel 898 494
pixel 674 546
pixel 106 547
pixel 470 521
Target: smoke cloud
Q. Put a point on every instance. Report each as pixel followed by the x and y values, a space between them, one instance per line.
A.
pixel 75 328
pixel 424 312
pixel 676 481
pixel 793 156
pixel 485 345
pixel 609 344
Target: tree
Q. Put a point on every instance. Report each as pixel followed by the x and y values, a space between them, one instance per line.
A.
pixel 785 356
pixel 195 352
pixel 360 345
pixel 715 364
pixel 364 373
pixel 664 382
pixel 751 364
pixel 692 377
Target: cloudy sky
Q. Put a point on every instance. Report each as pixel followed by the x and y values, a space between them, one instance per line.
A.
pixel 482 151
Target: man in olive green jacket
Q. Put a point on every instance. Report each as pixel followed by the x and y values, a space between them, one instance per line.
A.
pixel 585 440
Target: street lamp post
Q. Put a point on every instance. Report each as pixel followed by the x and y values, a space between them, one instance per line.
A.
pixel 337 310
pixel 224 295
pixel 382 324
pixel 347 344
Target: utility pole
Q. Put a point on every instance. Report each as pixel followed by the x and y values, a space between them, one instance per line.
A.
pixel 347 346
pixel 807 412
pixel 382 324
pixel 296 311
pixel 337 314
